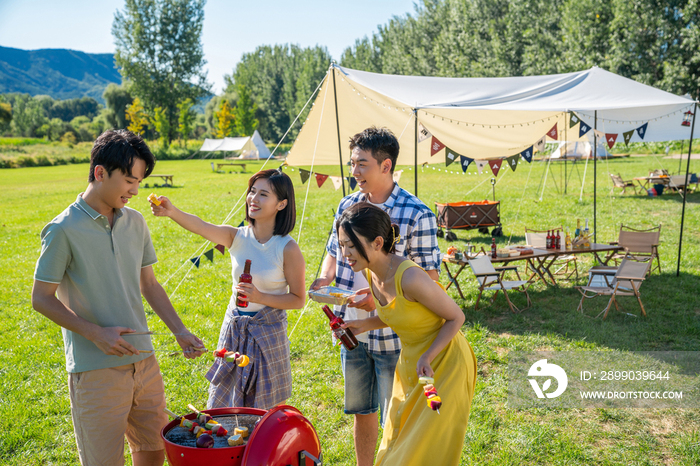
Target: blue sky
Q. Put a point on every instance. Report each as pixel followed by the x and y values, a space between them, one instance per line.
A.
pixel 231 27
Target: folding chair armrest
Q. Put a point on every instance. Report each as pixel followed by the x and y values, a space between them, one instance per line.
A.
pixel 486 274
pixel 506 267
pixel 632 279
pixel 613 243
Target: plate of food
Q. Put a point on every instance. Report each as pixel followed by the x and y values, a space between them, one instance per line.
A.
pixel 331 295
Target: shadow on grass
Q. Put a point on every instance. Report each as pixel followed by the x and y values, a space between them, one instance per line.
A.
pixel 672 322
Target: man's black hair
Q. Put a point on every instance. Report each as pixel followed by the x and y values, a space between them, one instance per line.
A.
pixel 380 142
pixel 116 149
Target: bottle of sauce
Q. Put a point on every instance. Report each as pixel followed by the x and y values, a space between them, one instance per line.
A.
pixel 344 335
pixel 493 248
pixel 245 277
pixel 558 241
pixel 567 240
pixel 549 240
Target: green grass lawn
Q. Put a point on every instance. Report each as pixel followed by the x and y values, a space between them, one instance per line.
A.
pixel 37 426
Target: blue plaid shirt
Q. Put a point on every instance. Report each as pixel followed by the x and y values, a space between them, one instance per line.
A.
pixel 418 228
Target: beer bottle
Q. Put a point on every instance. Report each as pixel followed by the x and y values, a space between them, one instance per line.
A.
pixel 343 334
pixel 493 248
pixel 245 277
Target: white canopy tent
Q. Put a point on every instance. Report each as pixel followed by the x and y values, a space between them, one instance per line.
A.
pixel 482 118
pixel 578 150
pixel 251 147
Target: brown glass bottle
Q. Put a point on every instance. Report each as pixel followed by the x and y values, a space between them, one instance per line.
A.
pixel 245 277
pixel 343 334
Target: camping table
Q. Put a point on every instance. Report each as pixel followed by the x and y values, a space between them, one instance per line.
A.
pixel 168 179
pixel 541 260
pixel 235 164
pixel 645 181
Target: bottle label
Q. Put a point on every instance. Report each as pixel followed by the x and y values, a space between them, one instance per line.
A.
pixel 340 333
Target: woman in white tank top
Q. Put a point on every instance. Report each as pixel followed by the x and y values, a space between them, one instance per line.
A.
pixel 278 270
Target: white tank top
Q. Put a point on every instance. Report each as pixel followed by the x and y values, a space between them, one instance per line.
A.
pixel 266 266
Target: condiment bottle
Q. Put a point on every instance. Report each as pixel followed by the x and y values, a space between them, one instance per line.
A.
pixel 567 240
pixel 558 241
pixel 245 277
pixel 549 240
pixel 343 334
pixel 493 248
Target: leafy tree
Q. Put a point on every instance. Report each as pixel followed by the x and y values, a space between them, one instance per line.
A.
pixel 244 112
pixel 225 121
pixel 27 116
pixel 5 115
pixel 137 117
pixel 213 106
pixel 68 109
pixel 186 119
pixel 159 51
pixel 117 98
pixel 280 79
pixel 162 125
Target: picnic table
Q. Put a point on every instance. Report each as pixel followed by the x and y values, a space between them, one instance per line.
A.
pixel 167 179
pixel 540 262
pixel 645 182
pixel 235 164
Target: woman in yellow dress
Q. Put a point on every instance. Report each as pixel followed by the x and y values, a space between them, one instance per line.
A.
pixel 428 323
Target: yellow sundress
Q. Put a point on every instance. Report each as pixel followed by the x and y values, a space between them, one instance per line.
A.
pixel 414 433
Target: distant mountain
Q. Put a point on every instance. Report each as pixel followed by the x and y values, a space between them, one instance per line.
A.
pixel 59 73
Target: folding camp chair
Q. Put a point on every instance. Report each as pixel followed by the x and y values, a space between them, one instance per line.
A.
pixel 490 279
pixel 564 265
pixel 627 280
pixel 618 182
pixel 640 245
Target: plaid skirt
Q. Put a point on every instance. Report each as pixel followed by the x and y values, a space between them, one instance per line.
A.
pixel 267 380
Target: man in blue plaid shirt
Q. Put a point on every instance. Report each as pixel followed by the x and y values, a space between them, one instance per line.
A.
pixel 368 370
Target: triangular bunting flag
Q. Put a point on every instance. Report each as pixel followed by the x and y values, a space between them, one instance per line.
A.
pixel 573 121
pixel 210 255
pixel 423 133
pixel 240 225
pixel 220 247
pixel 512 161
pixel 304 175
pixel 527 154
pixel 320 179
pixel 353 182
pixel 495 166
pixel 583 129
pixel 480 164
pixel 436 146
pixel 628 135
pixel 599 134
pixel 539 145
pixel 552 133
pixel 195 261
pixel 450 156
pixel 397 176
pixel 610 139
pixel 337 182
pixel 642 130
pixel 465 161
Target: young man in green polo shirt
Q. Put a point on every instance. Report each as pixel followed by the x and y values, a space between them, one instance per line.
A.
pixel 95 263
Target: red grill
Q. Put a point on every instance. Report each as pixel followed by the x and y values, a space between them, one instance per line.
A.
pixel 282 437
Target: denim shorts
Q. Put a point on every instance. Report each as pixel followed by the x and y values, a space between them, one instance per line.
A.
pixel 369 380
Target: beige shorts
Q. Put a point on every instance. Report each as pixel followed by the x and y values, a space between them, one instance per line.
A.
pixel 107 404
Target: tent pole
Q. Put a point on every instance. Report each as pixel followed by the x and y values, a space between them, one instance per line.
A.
pixel 566 156
pixel 680 158
pixel 595 173
pixel 415 154
pixel 337 126
pixel 685 194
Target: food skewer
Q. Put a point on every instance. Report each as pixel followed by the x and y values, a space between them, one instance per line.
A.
pixel 434 401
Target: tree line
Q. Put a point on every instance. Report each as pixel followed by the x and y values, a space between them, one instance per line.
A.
pixel 160 57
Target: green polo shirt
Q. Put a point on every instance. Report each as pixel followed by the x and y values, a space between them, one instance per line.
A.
pixel 97 269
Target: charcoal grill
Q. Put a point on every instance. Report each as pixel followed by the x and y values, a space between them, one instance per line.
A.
pixel 281 436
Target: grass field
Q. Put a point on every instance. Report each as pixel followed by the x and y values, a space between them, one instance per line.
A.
pixel 37 428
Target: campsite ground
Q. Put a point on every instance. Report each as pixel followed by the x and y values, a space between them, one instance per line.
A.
pixel 35 405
